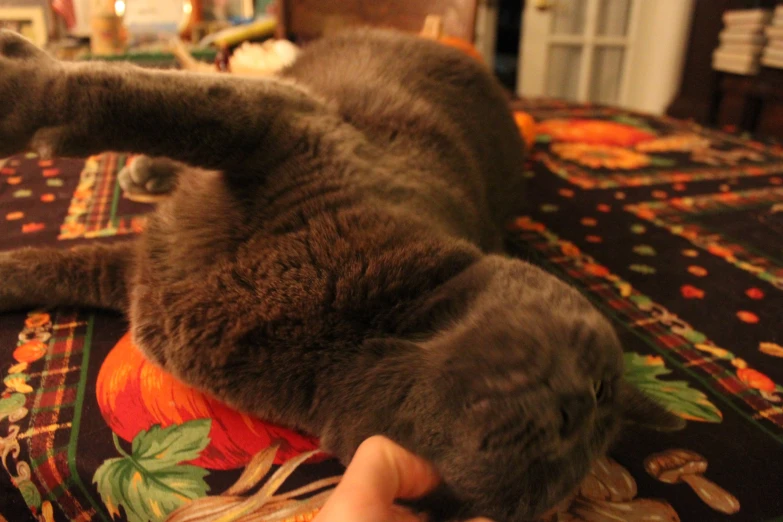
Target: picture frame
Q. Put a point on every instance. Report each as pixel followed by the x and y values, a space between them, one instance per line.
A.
pixel 29 21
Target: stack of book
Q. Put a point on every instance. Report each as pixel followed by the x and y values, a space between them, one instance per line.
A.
pixel 773 52
pixel 741 41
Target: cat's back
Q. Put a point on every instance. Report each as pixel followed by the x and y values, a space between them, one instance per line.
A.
pixel 370 73
pixel 382 79
pixel 423 100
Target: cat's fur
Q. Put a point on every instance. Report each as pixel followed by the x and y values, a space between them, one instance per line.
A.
pixel 337 269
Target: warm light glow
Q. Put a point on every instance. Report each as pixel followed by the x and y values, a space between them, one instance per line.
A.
pixel 119 7
pixel 187 7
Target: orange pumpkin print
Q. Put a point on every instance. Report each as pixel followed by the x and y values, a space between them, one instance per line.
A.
pixel 691 292
pixel 527 126
pixel 72 229
pixel 601 156
pixel 747 317
pixel 37 320
pixel 593 132
pixel 30 351
pixel 773 349
pixel 596 269
pixel 698 271
pixel 29 228
pixel 719 251
pixel 755 293
pixel 755 379
pixel 569 249
pixel 134 394
pixel 525 223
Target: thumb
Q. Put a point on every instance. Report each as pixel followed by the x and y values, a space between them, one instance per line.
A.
pixel 380 472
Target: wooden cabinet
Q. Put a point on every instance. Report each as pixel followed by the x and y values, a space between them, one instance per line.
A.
pixel 749 103
pixel 303 20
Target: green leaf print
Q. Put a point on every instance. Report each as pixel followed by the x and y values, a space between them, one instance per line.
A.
pixel 644 250
pixel 30 493
pixel 657 161
pixel 693 336
pixel 644 372
pixel 150 483
pixel 10 404
pixel 642 269
pixel 160 448
pixel 633 121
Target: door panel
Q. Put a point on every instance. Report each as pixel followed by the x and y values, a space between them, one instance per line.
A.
pixel 607 74
pixel 578 50
pixel 564 71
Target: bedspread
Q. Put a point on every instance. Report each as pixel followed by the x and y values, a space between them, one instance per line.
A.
pixel 673 231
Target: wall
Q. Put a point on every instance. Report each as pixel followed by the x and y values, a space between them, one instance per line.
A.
pixel 486 30
pixel 658 54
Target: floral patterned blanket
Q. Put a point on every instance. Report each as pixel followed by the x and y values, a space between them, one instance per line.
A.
pixel 674 231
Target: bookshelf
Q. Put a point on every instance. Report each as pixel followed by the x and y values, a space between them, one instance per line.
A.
pixel 747 103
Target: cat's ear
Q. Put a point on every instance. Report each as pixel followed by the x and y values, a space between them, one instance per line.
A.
pixel 641 410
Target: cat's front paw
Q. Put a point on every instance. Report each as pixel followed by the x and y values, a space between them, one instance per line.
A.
pixel 149 179
pixel 26 74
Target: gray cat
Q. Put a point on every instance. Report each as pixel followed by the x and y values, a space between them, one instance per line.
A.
pixel 330 259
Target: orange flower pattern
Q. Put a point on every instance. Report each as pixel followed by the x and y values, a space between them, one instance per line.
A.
pixel 593 132
pixel 676 143
pixel 601 156
pixel 656 152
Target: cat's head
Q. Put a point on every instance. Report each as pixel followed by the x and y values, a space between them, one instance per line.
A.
pixel 524 390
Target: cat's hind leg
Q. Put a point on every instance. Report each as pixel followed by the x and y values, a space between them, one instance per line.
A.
pixel 92 276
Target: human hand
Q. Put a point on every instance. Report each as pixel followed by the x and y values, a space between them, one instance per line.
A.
pixel 380 472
